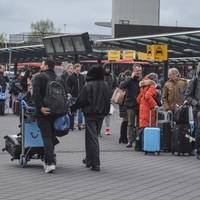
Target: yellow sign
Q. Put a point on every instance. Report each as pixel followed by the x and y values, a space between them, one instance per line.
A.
pixel 129 55
pixel 113 55
pixel 142 56
pixel 157 52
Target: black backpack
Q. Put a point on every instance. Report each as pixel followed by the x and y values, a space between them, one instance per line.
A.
pixel 55 97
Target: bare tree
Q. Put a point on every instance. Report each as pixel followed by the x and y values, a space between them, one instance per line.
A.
pixel 43 28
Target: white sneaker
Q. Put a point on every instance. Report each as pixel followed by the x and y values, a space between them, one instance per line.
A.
pixel 107 131
pixel 50 168
pixel 44 165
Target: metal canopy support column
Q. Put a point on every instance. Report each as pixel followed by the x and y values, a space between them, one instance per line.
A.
pixel 165 70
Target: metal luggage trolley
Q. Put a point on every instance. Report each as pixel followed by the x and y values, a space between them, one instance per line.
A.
pixel 32 143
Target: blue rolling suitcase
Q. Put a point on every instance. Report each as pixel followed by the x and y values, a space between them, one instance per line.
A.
pixel 151 139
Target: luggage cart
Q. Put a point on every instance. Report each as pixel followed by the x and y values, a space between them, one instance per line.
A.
pixel 31 139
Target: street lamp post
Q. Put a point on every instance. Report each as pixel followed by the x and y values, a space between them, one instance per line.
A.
pixel 65 26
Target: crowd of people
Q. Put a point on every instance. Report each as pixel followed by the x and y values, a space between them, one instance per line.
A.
pixel 92 95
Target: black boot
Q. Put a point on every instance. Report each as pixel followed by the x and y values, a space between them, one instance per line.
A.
pixel 129 144
pixel 86 163
pixel 123 132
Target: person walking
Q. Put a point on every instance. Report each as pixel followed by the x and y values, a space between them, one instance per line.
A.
pixel 112 83
pixel 133 89
pixel 95 103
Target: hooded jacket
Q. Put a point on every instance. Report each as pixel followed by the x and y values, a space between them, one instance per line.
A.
pixel 192 94
pixel 147 103
pixel 110 79
pixel 94 98
pixel 174 93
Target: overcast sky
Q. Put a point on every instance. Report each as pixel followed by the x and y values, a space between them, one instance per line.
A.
pixel 80 15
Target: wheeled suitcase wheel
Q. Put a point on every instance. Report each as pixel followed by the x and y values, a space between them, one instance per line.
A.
pixel 23 161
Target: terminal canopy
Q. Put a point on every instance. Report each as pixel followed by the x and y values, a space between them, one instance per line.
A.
pixel 36 53
pixel 182 46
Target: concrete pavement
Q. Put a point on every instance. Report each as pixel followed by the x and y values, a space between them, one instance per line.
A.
pixel 124 174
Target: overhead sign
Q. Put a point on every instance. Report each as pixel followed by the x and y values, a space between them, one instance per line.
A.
pixel 142 56
pixel 129 55
pixel 157 52
pixel 113 55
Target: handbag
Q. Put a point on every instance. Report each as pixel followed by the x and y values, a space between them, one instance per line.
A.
pixel 62 125
pixel 118 96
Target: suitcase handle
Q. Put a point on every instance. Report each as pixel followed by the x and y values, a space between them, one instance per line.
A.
pixel 168 115
pixel 150 118
pixel 28 108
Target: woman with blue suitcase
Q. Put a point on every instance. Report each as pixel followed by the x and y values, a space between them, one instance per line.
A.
pixel 147 113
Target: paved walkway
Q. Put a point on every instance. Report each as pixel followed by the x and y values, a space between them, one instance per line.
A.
pixel 124 174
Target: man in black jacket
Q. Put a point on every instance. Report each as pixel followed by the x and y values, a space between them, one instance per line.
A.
pixel 68 71
pixel 75 83
pixel 45 121
pixel 133 89
pixel 95 103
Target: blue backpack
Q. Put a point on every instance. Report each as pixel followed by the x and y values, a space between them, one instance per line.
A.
pixel 61 126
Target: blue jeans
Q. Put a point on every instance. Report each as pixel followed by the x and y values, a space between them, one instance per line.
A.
pixel 79 117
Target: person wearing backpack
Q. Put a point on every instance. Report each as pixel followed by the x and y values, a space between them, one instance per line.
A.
pixel 95 103
pixel 192 95
pixel 45 111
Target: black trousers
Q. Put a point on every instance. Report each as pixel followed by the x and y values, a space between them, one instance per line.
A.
pixel 49 139
pixel 123 131
pixel 71 117
pixel 92 130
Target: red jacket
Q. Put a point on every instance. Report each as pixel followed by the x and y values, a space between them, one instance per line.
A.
pixel 147 103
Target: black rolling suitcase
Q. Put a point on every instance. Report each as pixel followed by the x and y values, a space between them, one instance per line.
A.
pixel 165 123
pixel 165 135
pixel 180 143
pixel 13 146
pixel 2 107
